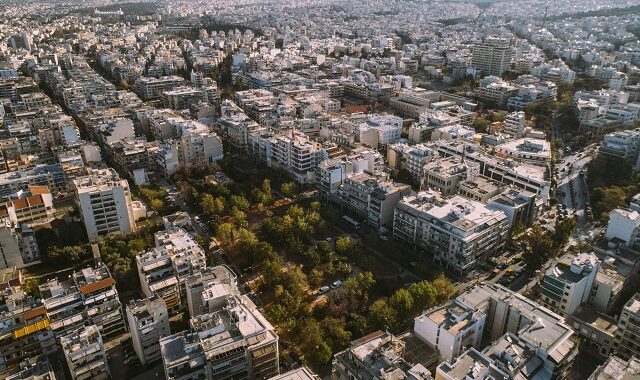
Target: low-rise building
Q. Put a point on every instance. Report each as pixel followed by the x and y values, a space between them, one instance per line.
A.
pixel 617 368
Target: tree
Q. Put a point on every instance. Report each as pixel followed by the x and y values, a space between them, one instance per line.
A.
pixel 72 254
pixel 313 342
pixel 444 288
pixel 289 189
pixel 157 205
pixel 564 229
pixel 481 124
pixel 226 233
pixel 239 201
pixel 424 295
pixel 346 247
pixel 382 316
pixel 606 199
pixel 335 332
pixel 538 247
pixel 208 204
pixel 402 302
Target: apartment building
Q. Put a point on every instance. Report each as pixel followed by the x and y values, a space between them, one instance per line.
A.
pixel 295 153
pixel 209 289
pixel 105 203
pixel 444 174
pixel 85 355
pixel 527 150
pixel 333 172
pixel 34 205
pixel 617 368
pixel 532 178
pixel 627 344
pixel 623 227
pixel 495 91
pixel 379 355
pixel 35 368
pixel 493 56
pixel 235 342
pixel 479 188
pixel 517 336
pixel 25 331
pixel 623 144
pixel 459 232
pixel 165 269
pixel 514 124
pixel 373 199
pixel 152 88
pixel 301 373
pixel 567 284
pixel 520 206
pixel 411 158
pixel 50 175
pixel 89 296
pixel 148 321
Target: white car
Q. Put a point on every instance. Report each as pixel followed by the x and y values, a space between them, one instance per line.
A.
pixel 323 290
pixel 336 284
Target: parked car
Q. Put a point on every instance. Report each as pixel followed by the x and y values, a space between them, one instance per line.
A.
pixel 323 290
pixel 336 284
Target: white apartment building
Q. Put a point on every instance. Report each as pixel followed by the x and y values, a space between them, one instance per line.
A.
pixel 567 284
pixel 444 174
pixel 627 343
pixel 460 232
pixel 520 337
pixel 411 158
pixel 623 144
pixel 208 290
pixel 85 355
pixel 528 150
pixel 89 296
pixel 493 56
pixel 104 201
pixel 623 227
pixel 235 342
pixel 148 321
pixel 295 153
pixel 32 206
pixel 152 88
pixel 371 198
pixel 333 172
pixel 515 123
pixel 164 269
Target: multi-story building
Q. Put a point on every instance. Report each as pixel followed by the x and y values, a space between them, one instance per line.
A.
pixel 627 343
pixel 623 144
pixel 296 154
pixel 208 290
pixel 411 158
pixel 567 284
pixel 152 88
pixel 617 368
pixel 518 337
pixel 36 368
pixel 493 56
pixel 32 206
pixel 164 270
pixel 520 206
pixel 235 342
pixel 371 198
pixel 25 331
pixel 333 172
pixel 533 151
pixel 50 175
pixel 105 203
pixel 88 297
pixel 459 231
pixel 148 321
pixel 85 355
pixel 379 355
pixel 623 227
pixel 444 174
pixel 514 124
pixel 301 373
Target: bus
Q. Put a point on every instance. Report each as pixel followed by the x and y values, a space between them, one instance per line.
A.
pixel 355 224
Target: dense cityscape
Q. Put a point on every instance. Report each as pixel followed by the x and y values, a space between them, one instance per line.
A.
pixel 320 189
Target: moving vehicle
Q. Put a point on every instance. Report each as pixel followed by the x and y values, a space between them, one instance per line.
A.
pixel 354 223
